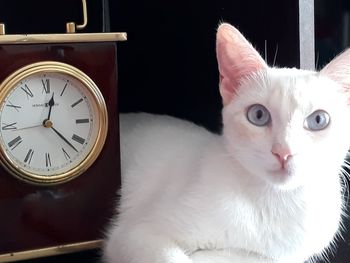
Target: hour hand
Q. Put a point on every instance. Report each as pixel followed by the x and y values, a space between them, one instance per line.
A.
pixel 51 103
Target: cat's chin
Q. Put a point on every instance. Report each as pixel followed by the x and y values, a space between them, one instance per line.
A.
pixel 284 179
pixel 283 174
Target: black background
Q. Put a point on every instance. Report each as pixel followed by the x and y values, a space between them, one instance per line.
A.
pixel 168 64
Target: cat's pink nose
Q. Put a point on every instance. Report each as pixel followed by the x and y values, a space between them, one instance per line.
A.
pixel 282 153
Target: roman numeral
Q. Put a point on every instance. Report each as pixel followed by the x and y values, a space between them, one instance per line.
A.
pixel 79 121
pixel 27 90
pixel 76 103
pixel 64 88
pixel 66 155
pixel 16 107
pixel 46 85
pixel 29 156
pixel 15 142
pixel 47 160
pixel 78 139
pixel 10 126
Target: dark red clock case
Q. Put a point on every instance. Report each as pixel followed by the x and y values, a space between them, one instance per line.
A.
pixel 34 217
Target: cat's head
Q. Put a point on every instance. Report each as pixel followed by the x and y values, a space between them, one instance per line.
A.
pixel 287 126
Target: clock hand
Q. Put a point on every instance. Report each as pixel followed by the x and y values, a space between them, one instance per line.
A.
pixel 28 127
pixel 51 103
pixel 63 138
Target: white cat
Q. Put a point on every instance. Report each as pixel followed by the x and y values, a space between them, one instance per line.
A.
pixel 267 190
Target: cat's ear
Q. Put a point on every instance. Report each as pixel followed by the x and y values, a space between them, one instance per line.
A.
pixel 237 59
pixel 339 69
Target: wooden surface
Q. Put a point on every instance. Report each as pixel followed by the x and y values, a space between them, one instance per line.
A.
pixel 34 217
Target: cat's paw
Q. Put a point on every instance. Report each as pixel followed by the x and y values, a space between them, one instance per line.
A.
pixel 141 245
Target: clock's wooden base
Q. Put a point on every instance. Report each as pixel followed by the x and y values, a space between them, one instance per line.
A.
pixel 37 217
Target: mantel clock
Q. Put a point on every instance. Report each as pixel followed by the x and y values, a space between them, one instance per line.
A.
pixel 59 141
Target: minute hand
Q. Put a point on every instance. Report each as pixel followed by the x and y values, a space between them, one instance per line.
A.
pixel 63 138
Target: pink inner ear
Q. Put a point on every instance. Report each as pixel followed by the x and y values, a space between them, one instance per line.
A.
pixel 236 58
pixel 339 70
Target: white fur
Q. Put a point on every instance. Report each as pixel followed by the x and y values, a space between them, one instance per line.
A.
pixel 190 196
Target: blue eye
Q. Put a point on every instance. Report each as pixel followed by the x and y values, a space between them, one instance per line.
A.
pixel 258 115
pixel 316 121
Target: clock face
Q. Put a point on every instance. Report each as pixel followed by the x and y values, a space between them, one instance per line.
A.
pixel 53 122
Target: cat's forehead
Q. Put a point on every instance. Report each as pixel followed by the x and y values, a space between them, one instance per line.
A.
pixel 290 88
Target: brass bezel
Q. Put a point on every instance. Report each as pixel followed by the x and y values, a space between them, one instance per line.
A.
pixel 57 67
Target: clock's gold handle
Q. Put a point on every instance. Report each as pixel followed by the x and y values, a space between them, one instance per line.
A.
pixel 71 27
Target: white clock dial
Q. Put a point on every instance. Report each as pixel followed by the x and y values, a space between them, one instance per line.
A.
pixel 50 125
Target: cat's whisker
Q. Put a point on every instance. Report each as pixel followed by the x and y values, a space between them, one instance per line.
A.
pixel 317 57
pixel 275 57
pixel 345 165
pixel 346 168
pixel 266 51
pixel 345 172
pixel 344 177
pixel 346 161
pixel 344 182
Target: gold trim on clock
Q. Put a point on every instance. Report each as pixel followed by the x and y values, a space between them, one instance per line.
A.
pixel 57 67
pixel 51 251
pixel 62 38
